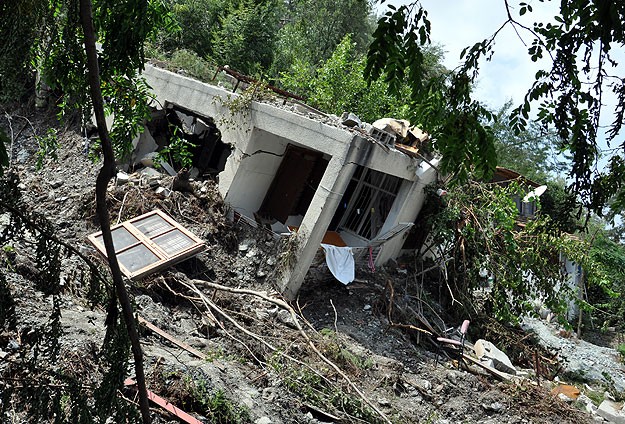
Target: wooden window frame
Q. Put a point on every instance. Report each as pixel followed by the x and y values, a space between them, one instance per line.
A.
pixel 165 260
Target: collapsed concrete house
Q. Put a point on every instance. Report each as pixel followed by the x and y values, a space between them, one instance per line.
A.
pixel 298 171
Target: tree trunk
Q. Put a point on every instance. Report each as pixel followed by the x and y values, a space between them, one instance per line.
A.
pixel 106 173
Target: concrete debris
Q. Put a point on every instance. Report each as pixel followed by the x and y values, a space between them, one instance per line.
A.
pixel 351 120
pixel 122 178
pixel 495 406
pixel 150 173
pixel 612 411
pixel 588 404
pixel 163 192
pixel 493 357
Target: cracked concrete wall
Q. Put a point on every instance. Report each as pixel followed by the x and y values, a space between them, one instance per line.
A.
pixel 259 135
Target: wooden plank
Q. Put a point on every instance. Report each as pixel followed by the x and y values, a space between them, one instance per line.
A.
pixel 493 371
pixel 171 338
pixel 165 404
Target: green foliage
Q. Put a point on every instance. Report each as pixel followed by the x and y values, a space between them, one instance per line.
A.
pixel 621 351
pixel 312 388
pixel 200 397
pixel 51 390
pixel 179 150
pixel 531 152
pixel 245 36
pixel 18 35
pixel 48 146
pixel 338 85
pixel 442 104
pixel 196 20
pixel 313 29
pixel 582 41
pixel 561 206
pixel 606 274
pixel 129 99
pixel 478 235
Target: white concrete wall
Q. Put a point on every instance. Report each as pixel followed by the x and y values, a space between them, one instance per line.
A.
pixel 264 127
pixel 256 171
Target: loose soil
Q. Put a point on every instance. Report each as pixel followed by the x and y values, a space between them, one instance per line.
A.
pixel 396 370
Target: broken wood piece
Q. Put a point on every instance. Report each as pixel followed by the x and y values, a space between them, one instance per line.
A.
pixel 320 414
pixel 169 337
pixel 501 375
pixel 163 403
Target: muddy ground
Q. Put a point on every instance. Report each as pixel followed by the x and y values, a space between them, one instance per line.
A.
pixel 257 366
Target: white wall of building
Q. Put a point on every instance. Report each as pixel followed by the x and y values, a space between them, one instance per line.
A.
pixel 260 135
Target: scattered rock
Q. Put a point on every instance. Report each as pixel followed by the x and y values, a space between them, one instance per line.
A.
pixel 612 411
pixel 163 192
pixel 122 178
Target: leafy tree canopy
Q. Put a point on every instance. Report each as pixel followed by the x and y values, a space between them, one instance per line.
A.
pixel 566 97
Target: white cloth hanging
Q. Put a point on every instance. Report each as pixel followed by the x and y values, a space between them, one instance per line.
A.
pixel 340 261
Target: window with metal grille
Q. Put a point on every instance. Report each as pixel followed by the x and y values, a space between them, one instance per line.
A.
pixel 149 243
pixel 371 202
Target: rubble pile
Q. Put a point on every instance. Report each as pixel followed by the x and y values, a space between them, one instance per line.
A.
pixel 273 370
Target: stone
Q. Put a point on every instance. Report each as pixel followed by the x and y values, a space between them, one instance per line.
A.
pixel 163 192
pixel 366 308
pixel 384 402
pixel 122 178
pixel 495 407
pixel 485 351
pixel 263 420
pixel 284 316
pixel 612 411
pixel 149 159
pixel 56 184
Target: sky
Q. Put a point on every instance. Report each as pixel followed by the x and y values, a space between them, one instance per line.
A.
pixel 457 24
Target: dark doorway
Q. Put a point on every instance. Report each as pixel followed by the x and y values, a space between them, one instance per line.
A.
pixel 294 185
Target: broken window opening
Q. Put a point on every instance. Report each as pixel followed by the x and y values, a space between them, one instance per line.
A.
pixel 367 202
pixel 149 243
pixel 209 152
pixel 294 184
pixel 188 135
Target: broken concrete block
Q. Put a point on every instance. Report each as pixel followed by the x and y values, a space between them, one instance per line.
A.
pixel 351 120
pixel 122 178
pixel 485 351
pixel 150 173
pixel 612 411
pixel 163 192
pixel 149 159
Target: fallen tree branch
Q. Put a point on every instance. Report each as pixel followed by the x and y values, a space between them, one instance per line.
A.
pixel 282 304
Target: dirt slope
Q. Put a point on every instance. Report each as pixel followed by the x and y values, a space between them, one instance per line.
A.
pixel 269 374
